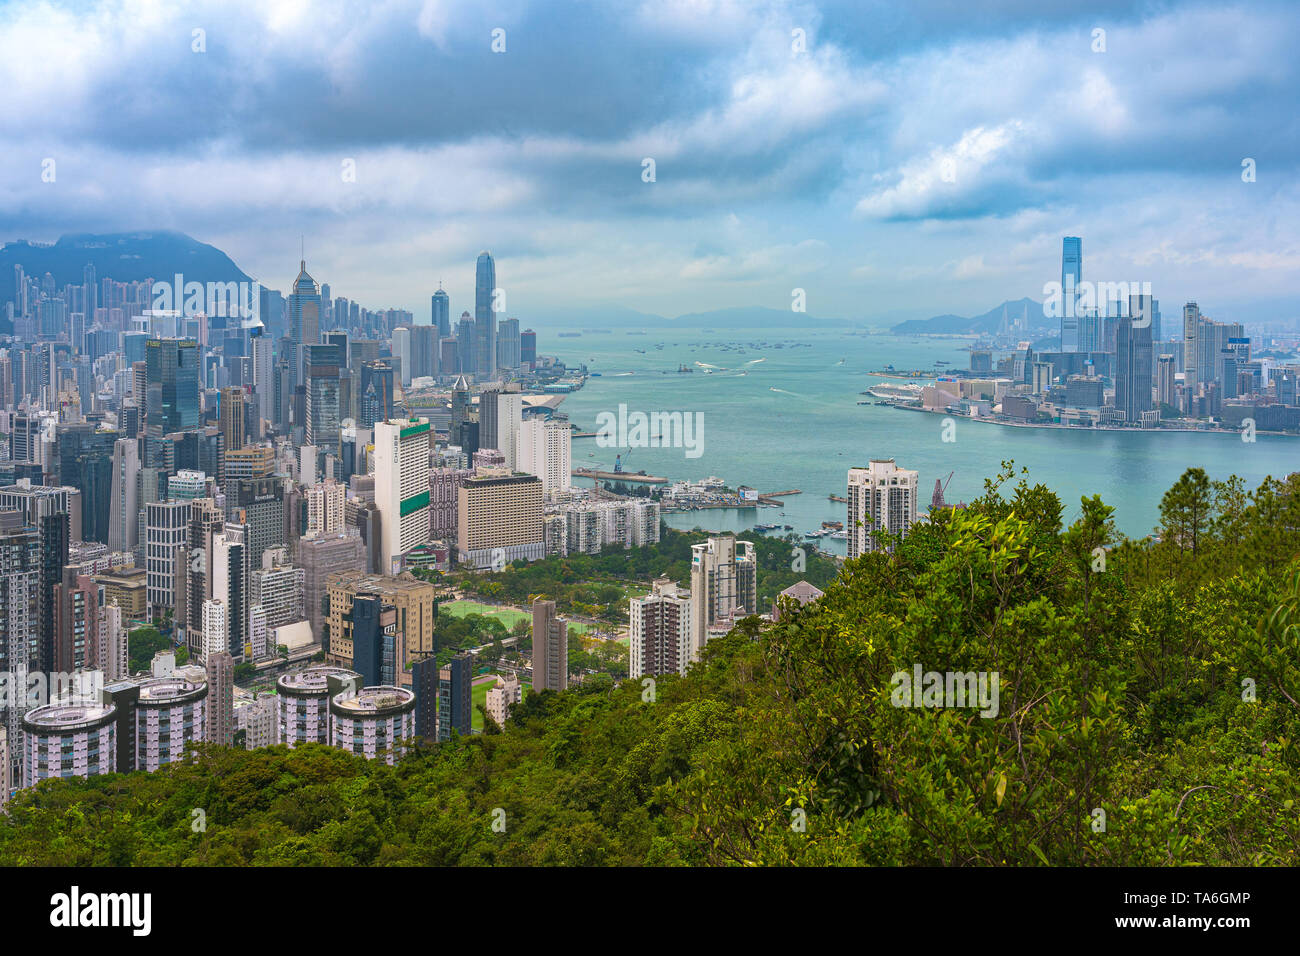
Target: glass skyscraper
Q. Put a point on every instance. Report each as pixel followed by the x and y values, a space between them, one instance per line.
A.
pixel 485 321
pixel 171 386
pixel 1071 276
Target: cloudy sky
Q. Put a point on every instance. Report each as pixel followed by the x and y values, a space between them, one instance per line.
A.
pixel 891 159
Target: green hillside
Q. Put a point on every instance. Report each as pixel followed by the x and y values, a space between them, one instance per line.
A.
pixel 1146 715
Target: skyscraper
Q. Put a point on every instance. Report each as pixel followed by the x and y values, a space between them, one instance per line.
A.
pixel 1071 276
pixel 322 364
pixel 171 386
pixel 1191 324
pixel 1133 367
pixel 550 648
pixel 232 418
pixel 508 344
pixel 441 313
pixel 485 320
pixel 304 318
pixel 20 550
pixel 454 696
pixel 402 487
pixel 545 450
pixel 882 497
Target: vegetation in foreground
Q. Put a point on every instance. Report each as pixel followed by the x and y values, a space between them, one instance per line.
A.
pixel 1148 716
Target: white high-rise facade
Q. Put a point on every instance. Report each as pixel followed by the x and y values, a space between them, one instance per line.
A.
pixel 216 636
pixel 325 507
pixel 545 450
pixel 882 497
pixel 402 487
pixel 660 640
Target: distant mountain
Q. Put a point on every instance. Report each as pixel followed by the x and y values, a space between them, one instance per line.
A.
pixel 961 325
pixel 126 257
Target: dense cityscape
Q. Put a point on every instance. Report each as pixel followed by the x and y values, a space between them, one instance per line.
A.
pixel 725 436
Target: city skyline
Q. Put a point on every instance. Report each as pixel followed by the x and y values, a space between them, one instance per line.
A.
pixel 782 160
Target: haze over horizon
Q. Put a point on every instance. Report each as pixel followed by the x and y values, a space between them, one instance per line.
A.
pixel 933 171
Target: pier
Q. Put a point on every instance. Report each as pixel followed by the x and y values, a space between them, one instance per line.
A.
pixel 625 476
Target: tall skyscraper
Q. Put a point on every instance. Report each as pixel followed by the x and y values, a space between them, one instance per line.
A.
pixel 441 313
pixel 304 318
pixel 550 648
pixel 1133 368
pixel 508 344
pixel 485 319
pixel 171 386
pixel 882 497
pixel 660 641
pixel 233 418
pixel 402 487
pixel 500 416
pixel 377 393
pixel 1191 324
pixel 20 550
pixel 323 411
pixel 1071 276
pixel 455 695
pixel 1166 366
pixel 124 521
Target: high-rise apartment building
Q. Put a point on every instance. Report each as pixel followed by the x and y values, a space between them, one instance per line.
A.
pixel 454 696
pixel 325 506
pixel 724 584
pixel 660 634
pixel 550 648
pixel 882 497
pixel 220 668
pixel 502 698
pixel 545 450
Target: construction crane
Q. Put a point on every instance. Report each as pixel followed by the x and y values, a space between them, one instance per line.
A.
pixel 936 500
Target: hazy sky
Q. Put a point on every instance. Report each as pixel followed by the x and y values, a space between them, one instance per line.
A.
pixel 893 159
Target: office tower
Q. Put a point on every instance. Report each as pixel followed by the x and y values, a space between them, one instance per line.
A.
pixel 171 386
pixel 403 355
pixel 402 487
pixel 465 348
pixel 454 695
pixel 263 379
pixel 251 461
pixel 1191 324
pixel 1133 369
pixel 550 648
pixel 321 557
pixel 660 641
pixel 377 393
pixel 376 722
pixel 485 319
pixel 508 344
pixel 415 601
pixel 91 290
pixel 85 462
pixel 499 519
pixel 220 668
pixel 425 358
pixel 449 358
pixel 502 698
pixel 500 416
pixel 882 497
pixel 20 560
pixel 68 740
pixel 232 418
pixel 1166 392
pixel 441 313
pixel 124 519
pixel 528 348
pixel 322 396
pixel 424 682
pixel 304 320
pixel 187 484
pixel 1071 277
pixel 724 585
pixel 304 703
pixel 261 501
pixel 545 450
pixel 45 509
pixel 167 532
pixel 325 506
pixel 371 626
pixel 170 714
pixel 1042 377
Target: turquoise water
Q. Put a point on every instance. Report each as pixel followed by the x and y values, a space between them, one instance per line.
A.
pixel 791 421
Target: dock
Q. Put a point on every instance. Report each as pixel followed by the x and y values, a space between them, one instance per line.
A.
pixel 625 476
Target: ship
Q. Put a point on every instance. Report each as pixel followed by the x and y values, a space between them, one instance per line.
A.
pixel 905 392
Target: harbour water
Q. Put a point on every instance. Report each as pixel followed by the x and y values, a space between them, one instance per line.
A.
pixel 781 418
